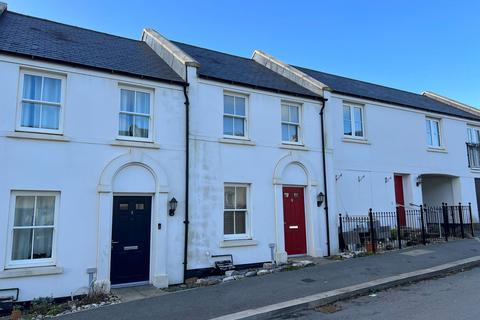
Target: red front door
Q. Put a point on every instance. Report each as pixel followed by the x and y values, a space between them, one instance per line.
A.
pixel 400 200
pixel 294 220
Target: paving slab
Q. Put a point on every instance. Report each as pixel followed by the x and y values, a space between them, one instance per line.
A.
pixel 257 292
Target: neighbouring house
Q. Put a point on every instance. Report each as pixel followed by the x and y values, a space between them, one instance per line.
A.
pixel 388 147
pixel 146 161
pixel 92 124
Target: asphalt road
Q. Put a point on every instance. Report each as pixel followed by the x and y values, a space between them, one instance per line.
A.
pixel 455 297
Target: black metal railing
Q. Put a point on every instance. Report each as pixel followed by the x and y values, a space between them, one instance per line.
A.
pixel 473 154
pixel 380 231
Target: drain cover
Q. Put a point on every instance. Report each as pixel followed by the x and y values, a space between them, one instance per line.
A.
pixel 308 280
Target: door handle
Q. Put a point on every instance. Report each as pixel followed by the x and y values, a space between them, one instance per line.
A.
pixel 293 227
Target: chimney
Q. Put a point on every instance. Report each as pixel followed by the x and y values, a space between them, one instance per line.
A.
pixel 3 7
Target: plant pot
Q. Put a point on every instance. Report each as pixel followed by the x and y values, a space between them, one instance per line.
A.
pixel 16 315
pixel 370 247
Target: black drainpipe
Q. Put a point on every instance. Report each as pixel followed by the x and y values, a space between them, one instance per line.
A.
pixel 327 220
pixel 187 171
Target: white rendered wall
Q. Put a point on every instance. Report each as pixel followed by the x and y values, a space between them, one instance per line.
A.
pixel 215 163
pixel 73 168
pixel 395 144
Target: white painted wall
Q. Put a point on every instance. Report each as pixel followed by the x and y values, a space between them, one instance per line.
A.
pixel 215 163
pixel 395 144
pixel 73 168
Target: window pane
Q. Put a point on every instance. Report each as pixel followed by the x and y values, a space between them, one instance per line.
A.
pixel 31 115
pixel 143 103
pixel 50 117
pixel 141 126
pixel 51 89
pixel 347 121
pixel 127 100
pixel 285 134
pixel 229 197
pixel 22 244
pixel 126 125
pixel 240 106
pixel 240 224
pixel 285 116
pixel 435 134
pixel 32 87
pixel 228 125
pixel 45 211
pixel 228 104
pixel 239 127
pixel 294 114
pixel 470 135
pixel 241 198
pixel 357 113
pixel 228 227
pixel 24 211
pixel 429 133
pixel 293 133
pixel 42 243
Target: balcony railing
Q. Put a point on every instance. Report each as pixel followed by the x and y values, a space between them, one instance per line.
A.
pixel 473 154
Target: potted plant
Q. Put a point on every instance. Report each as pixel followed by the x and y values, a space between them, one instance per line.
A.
pixel 16 313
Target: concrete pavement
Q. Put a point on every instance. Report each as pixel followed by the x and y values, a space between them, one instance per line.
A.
pixel 257 292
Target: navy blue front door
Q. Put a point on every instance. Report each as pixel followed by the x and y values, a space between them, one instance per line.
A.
pixel 130 260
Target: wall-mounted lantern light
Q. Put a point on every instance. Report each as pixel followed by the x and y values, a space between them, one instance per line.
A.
pixel 419 180
pixel 320 199
pixel 172 206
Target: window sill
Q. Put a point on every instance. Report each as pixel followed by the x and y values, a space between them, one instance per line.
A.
pixel 352 140
pixel 37 136
pixel 244 142
pixel 30 272
pixel 475 169
pixel 440 150
pixel 136 144
pixel 293 146
pixel 238 243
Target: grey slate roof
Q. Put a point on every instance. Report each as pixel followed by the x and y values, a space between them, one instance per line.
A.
pixel 228 68
pixel 385 94
pixel 53 41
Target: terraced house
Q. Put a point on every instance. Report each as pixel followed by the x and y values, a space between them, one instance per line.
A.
pixel 147 161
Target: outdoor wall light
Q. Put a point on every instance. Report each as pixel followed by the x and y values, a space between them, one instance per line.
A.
pixel 419 180
pixel 172 206
pixel 320 199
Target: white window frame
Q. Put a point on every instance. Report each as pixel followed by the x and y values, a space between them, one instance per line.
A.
pixel 20 99
pixel 11 264
pixel 352 106
pixel 238 236
pixel 151 122
pixel 299 124
pixel 429 120
pixel 245 118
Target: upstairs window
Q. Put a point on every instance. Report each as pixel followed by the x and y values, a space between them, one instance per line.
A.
pixel 41 102
pixel 32 234
pixel 433 133
pixel 473 135
pixel 353 121
pixel 234 115
pixel 135 115
pixel 235 211
pixel 290 123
